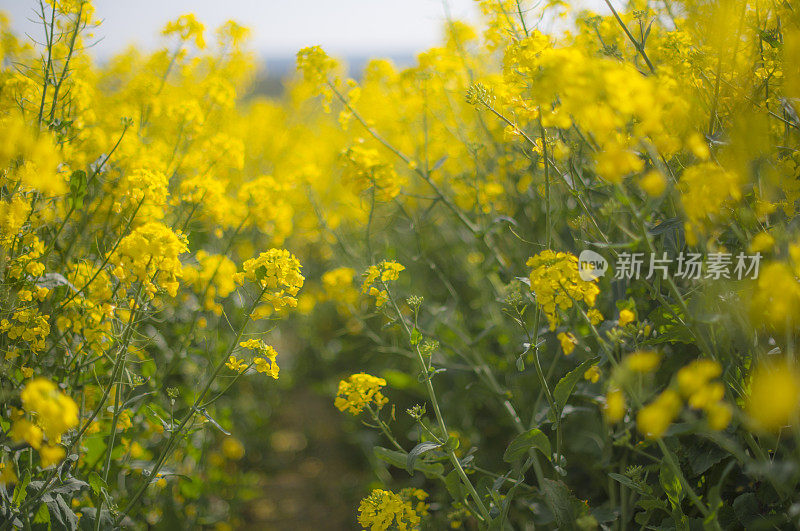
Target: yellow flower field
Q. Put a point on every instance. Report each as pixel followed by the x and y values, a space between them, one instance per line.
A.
pixel 537 279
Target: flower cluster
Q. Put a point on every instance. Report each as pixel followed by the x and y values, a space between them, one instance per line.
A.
pixel 13 214
pixel 696 384
pixel 277 273
pixel 706 189
pixel 775 302
pixel 143 189
pixel 384 509
pixel 774 398
pixel 267 206
pixel 212 277
pixel 654 418
pixel 52 412
pixel 557 284
pixel 366 170
pixel 28 325
pixel 187 28
pixel 149 254
pixel 264 360
pixel 359 391
pixel 642 361
pixel 386 271
pixel 338 286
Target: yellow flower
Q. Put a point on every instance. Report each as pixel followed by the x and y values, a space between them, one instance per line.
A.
pixel 705 189
pixel 762 242
pixel 615 162
pixel 774 398
pixel 315 64
pixel 643 361
pixel 386 271
pixel 776 300
pixel 24 430
pixel 366 170
pixel 384 509
pixel 151 252
pixel 186 27
pixel 13 215
pixel 50 455
pixel 614 408
pixel 7 475
pixel 391 270
pixel 595 317
pixel 709 394
pixel 358 391
pixel 592 374
pixel 265 361
pixel 693 377
pixel 719 416
pixel 235 364
pixel 266 199
pixel 54 411
pixel 338 285
pixel 697 144
pixel 556 282
pixel 625 317
pixel 568 342
pixel 653 183
pixel 277 272
pixel 654 418
pixel 211 277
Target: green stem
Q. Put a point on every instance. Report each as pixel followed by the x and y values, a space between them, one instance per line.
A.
pixel 438 413
pixel 190 413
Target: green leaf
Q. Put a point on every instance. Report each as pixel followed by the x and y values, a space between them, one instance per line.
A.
pixel 627 482
pixel 97 483
pixel 77 188
pixel 416 336
pixel 42 516
pixel 565 386
pixel 21 491
pixel 561 502
pixel 399 460
pixel 523 442
pixel 68 486
pixel 61 515
pixel 715 499
pixel 89 515
pixel 454 486
pixel 452 443
pixel 439 164
pixel 671 485
pixel 653 504
pixel 417 451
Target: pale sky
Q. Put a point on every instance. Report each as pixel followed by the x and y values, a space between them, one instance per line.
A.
pixel 355 28
pixel 279 27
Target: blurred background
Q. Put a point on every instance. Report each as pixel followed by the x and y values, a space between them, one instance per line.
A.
pixel 306 467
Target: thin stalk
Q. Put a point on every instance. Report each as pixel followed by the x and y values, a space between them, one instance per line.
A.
pixel 190 413
pixel 636 44
pixel 438 414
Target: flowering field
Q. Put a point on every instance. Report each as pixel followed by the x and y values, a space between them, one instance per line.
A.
pixel 536 280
